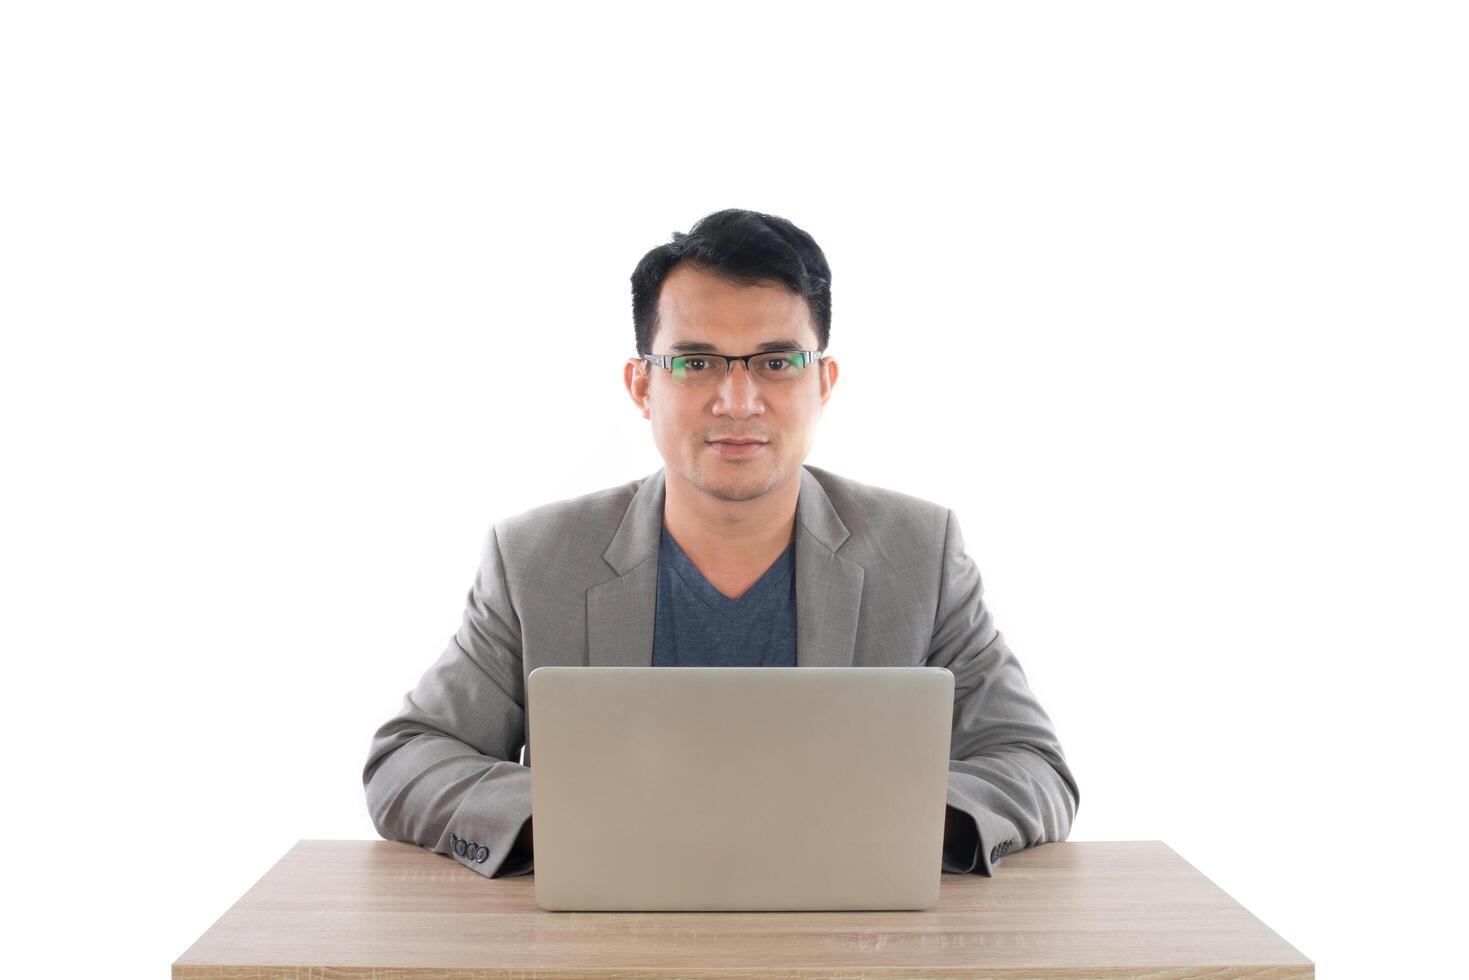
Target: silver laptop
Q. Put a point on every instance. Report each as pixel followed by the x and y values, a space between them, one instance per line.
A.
pixel 738 788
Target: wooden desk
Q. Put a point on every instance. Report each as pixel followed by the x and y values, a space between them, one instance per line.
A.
pixel 334 910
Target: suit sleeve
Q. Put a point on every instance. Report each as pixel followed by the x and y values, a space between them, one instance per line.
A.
pixel 444 772
pixel 1009 784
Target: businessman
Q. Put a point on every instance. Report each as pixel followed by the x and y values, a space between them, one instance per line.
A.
pixel 734 553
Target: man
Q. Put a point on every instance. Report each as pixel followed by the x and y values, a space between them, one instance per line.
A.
pixel 733 554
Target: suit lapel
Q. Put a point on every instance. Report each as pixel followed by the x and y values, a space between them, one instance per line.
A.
pixel 828 586
pixel 621 612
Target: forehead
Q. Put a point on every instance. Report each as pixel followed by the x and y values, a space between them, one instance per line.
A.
pixel 698 308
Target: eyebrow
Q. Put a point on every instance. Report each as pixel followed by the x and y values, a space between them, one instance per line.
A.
pixel 699 347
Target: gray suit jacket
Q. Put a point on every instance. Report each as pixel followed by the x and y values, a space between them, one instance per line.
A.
pixel 882 580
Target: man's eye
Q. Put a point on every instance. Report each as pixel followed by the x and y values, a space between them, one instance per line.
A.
pixel 695 364
pixel 776 364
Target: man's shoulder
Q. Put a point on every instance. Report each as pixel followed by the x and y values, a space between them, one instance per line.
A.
pixel 854 496
pixel 588 513
pixel 867 509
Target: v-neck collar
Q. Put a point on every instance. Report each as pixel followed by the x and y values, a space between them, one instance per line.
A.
pixel 621 610
pixel 685 569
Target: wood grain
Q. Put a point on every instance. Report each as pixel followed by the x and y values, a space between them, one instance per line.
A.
pixel 343 910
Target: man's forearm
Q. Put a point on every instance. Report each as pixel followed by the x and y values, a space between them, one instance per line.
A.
pixel 1007 771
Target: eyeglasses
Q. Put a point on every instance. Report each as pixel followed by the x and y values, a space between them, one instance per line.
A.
pixel 699 370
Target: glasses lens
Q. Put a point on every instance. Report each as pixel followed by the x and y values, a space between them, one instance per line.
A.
pixel 781 365
pixel 698 369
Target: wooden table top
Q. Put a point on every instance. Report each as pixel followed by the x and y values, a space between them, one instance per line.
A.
pixel 336 910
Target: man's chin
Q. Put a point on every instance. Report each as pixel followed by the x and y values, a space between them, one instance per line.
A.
pixel 737 493
pixel 736 486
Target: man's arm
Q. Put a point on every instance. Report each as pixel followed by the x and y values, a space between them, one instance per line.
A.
pixel 1009 784
pixel 440 773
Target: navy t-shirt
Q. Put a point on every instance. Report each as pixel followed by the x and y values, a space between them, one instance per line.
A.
pixel 696 625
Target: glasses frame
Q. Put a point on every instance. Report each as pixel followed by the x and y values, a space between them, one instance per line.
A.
pixel 808 358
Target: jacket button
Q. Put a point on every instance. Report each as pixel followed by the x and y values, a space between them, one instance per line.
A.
pixel 994 854
pixel 459 846
pixel 453 841
pixel 481 854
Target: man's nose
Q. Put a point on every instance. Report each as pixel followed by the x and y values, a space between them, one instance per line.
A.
pixel 739 395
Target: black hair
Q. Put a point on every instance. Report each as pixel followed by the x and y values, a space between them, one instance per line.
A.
pixel 746 247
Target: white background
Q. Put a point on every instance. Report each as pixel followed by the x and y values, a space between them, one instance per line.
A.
pixel 1167 301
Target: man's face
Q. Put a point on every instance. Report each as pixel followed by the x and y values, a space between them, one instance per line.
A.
pixel 691 424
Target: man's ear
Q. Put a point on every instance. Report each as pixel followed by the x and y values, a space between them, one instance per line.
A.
pixel 829 372
pixel 635 379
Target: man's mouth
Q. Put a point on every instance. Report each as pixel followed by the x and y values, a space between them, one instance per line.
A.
pixel 737 448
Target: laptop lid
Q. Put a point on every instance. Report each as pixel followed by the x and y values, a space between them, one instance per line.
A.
pixel 738 788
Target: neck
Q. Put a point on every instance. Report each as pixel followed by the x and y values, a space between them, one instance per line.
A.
pixel 735 532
